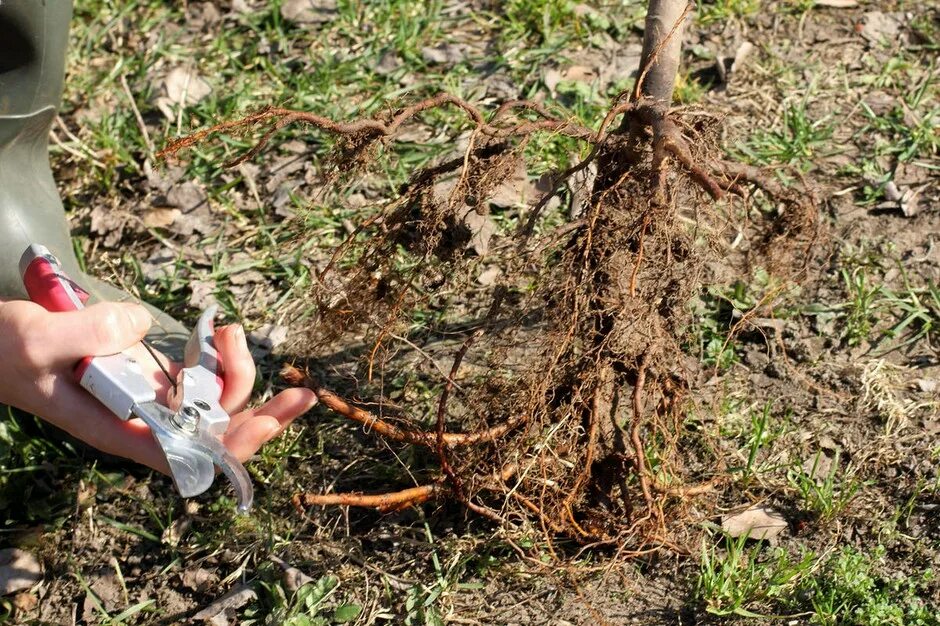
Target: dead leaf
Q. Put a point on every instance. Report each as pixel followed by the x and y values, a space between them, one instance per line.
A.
pixel 551 77
pixel 489 276
pixel 199 579
pixel 159 265
pixel 109 223
pixel 581 183
pixel 901 198
pixel 740 55
pixel 267 338
pixel 18 570
pixel 621 62
pixel 502 87
pixel 309 11
pixel 226 617
pixel 24 602
pixel 880 102
pixel 184 86
pixel 910 202
pixel 193 203
pixel 480 227
pixel 241 6
pixel 162 180
pixel 414 133
pixel 187 197
pixel 201 16
pixel 515 191
pixel 388 63
pixel 757 522
pixel 878 26
pixel 175 532
pixel 160 217
pixel 86 494
pixel 233 600
pixel 104 589
pixel 579 73
pixel 246 277
pixel 283 202
pixel 818 466
pixel 293 578
pixel 444 54
pixel 282 167
pixel 202 294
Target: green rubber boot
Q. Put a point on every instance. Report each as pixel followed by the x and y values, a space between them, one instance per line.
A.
pixel 33 41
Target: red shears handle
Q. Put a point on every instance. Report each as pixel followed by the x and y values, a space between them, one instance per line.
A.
pixel 48 286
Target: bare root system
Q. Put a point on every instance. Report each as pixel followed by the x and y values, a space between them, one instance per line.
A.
pixel 564 402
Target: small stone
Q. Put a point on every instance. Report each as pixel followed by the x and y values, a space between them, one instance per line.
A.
pixel 926 385
pixel 18 570
pixel 309 11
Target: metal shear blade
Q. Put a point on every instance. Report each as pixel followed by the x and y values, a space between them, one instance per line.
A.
pixel 189 431
pixel 193 457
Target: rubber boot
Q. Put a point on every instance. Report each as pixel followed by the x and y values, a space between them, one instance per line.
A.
pixel 33 41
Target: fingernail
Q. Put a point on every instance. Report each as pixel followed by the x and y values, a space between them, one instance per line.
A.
pixel 239 332
pixel 139 317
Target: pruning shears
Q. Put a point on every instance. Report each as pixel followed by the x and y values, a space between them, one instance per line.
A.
pixel 189 427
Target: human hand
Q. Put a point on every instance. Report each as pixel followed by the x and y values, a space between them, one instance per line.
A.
pixel 40 350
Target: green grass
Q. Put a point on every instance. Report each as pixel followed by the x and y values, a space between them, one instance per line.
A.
pixel 889 318
pixel 761 435
pixel 828 496
pixel 849 591
pixel 909 130
pixel 310 605
pixel 739 579
pixel 848 588
pixel 33 457
pixel 861 309
pixel 717 11
pixel 796 141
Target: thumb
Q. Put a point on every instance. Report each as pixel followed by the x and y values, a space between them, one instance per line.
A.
pixel 98 330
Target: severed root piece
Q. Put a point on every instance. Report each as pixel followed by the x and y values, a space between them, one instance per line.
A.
pixel 415 437
pixel 384 502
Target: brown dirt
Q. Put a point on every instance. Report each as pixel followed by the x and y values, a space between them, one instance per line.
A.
pixel 820 386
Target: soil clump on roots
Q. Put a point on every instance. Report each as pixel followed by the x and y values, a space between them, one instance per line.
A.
pixel 561 403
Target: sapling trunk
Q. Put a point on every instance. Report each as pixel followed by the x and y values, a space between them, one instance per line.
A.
pixel 662 49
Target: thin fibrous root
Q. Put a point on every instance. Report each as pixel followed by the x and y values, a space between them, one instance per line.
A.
pixel 279 117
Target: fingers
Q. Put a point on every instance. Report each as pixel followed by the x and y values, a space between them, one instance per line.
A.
pixel 48 339
pixel 82 416
pixel 285 407
pixel 249 430
pixel 238 367
pixel 245 440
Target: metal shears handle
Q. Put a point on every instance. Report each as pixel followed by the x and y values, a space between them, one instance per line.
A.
pixel 188 431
